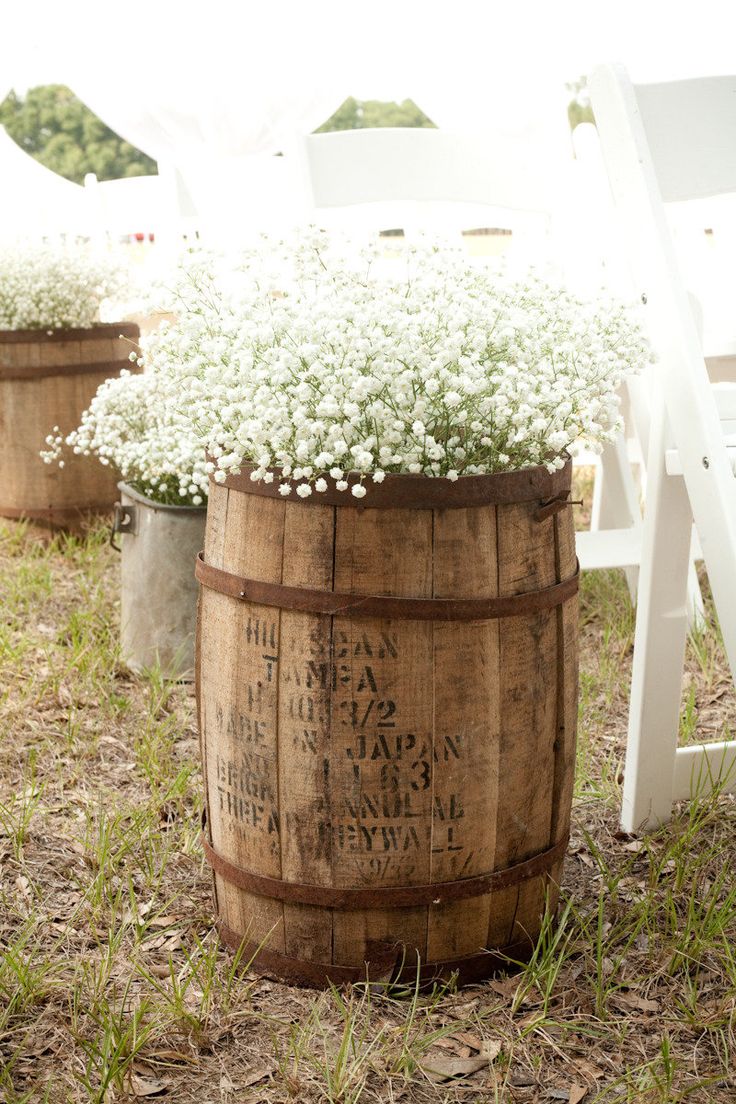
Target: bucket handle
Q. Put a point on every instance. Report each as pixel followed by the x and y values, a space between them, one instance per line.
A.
pixel 124 521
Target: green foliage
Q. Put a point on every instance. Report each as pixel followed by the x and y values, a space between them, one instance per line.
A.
pixel 579 109
pixel 55 127
pixel 356 114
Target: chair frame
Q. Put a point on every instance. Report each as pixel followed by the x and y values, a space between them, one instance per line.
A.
pixel 689 473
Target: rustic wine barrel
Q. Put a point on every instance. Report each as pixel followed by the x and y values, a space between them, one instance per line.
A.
pixel 387 693
pixel 48 378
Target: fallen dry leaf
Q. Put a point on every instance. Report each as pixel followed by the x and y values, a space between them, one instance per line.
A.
pixel 577 1093
pixel 159 970
pixel 445 1069
pixel 467 1039
pixel 490 1049
pixel 633 1000
pixel 23 886
pixel 588 1069
pixel 147 1086
pixel 168 1055
pixel 256 1075
pixel 522 1079
pixel 506 988
pixel 163 921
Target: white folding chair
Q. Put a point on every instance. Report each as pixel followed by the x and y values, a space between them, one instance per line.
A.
pixel 662 144
pixel 615 502
pixel 409 177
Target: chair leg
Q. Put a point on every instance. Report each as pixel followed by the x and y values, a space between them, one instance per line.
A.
pixel 615 498
pixel 659 644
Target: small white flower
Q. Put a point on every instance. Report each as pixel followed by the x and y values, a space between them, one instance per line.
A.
pixel 358 490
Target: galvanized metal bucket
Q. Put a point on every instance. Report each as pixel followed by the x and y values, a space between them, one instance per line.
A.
pixel 158 549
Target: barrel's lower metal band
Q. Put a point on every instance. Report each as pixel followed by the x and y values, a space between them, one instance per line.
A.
pixel 382 897
pixel 385 962
pixel 332 603
pixel 44 371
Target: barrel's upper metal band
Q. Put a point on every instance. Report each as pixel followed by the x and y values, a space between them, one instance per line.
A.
pixel 379 897
pixel 385 962
pixel 418 492
pixel 104 331
pixel 43 371
pixel 333 603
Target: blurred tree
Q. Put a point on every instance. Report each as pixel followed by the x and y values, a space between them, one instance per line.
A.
pixel 54 126
pixel 355 114
pixel 579 109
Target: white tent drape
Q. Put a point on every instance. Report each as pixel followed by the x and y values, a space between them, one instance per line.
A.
pixel 35 200
pixel 205 87
pixel 231 78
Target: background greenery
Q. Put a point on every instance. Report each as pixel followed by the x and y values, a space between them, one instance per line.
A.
pixel 54 126
pixel 61 132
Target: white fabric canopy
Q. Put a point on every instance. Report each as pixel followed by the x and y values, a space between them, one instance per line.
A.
pixel 227 78
pixel 33 199
pixel 211 89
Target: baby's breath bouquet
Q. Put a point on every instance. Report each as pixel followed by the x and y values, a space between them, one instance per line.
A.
pixel 134 424
pixel 323 363
pixel 51 287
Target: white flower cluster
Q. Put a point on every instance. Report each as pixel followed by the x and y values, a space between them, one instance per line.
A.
pixel 133 424
pixel 45 287
pixel 325 363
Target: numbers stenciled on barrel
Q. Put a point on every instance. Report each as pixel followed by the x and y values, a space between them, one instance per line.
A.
pixel 391 776
pixel 373 712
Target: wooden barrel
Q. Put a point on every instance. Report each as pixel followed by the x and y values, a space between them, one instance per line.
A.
pixel 387 693
pixel 48 378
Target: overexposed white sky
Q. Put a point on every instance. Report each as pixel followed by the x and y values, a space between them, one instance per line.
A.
pixel 484 60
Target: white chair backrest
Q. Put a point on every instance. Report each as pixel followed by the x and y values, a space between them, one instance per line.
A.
pixel 427 179
pixel 690 128
pixel 654 151
pixel 423 164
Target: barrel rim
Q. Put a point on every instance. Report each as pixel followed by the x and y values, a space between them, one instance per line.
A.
pixel 397 490
pixel 89 333
pixel 138 496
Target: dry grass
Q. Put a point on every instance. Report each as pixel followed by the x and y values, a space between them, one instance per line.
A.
pixel 113 988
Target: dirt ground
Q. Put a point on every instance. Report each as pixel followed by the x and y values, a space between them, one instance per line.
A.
pixel 112 983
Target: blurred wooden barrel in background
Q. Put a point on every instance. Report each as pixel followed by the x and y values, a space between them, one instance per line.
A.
pixel 47 379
